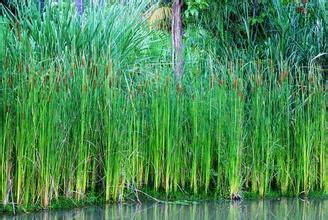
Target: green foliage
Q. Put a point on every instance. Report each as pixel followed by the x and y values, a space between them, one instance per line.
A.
pixel 256 27
pixel 194 7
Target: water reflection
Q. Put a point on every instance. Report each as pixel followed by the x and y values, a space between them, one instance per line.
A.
pixel 266 209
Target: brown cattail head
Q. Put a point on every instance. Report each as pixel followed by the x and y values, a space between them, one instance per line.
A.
pixel 301 10
pixel 167 81
pixel 49 98
pixel 18 31
pixel 83 60
pixel 110 83
pixel 65 80
pixel 241 63
pixel 302 86
pixel 282 76
pixel 26 68
pixel 271 65
pixel 235 84
pixel 220 82
pixel 96 70
pixel 178 88
pixel 107 68
pixel 286 73
pixel 34 81
pixel 20 67
pixel 193 97
pixel 211 81
pixel 85 86
pixel 58 77
pixel 94 83
pixel 259 66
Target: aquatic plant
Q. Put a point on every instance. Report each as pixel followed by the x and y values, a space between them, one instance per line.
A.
pixel 96 110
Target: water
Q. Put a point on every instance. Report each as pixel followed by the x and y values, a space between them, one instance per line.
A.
pixel 266 209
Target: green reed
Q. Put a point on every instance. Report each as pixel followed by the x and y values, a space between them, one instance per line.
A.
pixel 71 130
pixel 96 118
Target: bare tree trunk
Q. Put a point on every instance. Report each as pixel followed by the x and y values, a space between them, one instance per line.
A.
pixel 177 50
pixel 79 6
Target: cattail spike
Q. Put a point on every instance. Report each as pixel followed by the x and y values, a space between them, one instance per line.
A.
pixel 259 66
pixel 107 69
pixel 211 81
pixel 83 60
pixel 18 31
pixel 20 67
pixel 235 84
pixel 96 70
pixel 65 80
pixel 49 98
pixel 178 88
pixel 282 76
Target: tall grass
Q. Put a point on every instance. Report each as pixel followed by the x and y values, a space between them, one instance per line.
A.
pixel 87 111
pixel 70 137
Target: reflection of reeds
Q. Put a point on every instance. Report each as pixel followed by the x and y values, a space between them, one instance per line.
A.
pixel 266 209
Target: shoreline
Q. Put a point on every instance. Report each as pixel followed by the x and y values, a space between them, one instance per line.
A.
pixel 174 199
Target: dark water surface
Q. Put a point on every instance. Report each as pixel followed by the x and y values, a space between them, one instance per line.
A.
pixel 259 209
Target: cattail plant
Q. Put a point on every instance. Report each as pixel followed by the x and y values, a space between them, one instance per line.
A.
pixel 93 110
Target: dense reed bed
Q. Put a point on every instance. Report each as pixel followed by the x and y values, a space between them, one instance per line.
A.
pixel 69 132
pixel 100 113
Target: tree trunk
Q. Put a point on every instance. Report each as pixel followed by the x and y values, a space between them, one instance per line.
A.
pixel 177 50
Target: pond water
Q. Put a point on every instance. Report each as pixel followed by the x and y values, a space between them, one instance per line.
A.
pixel 259 209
